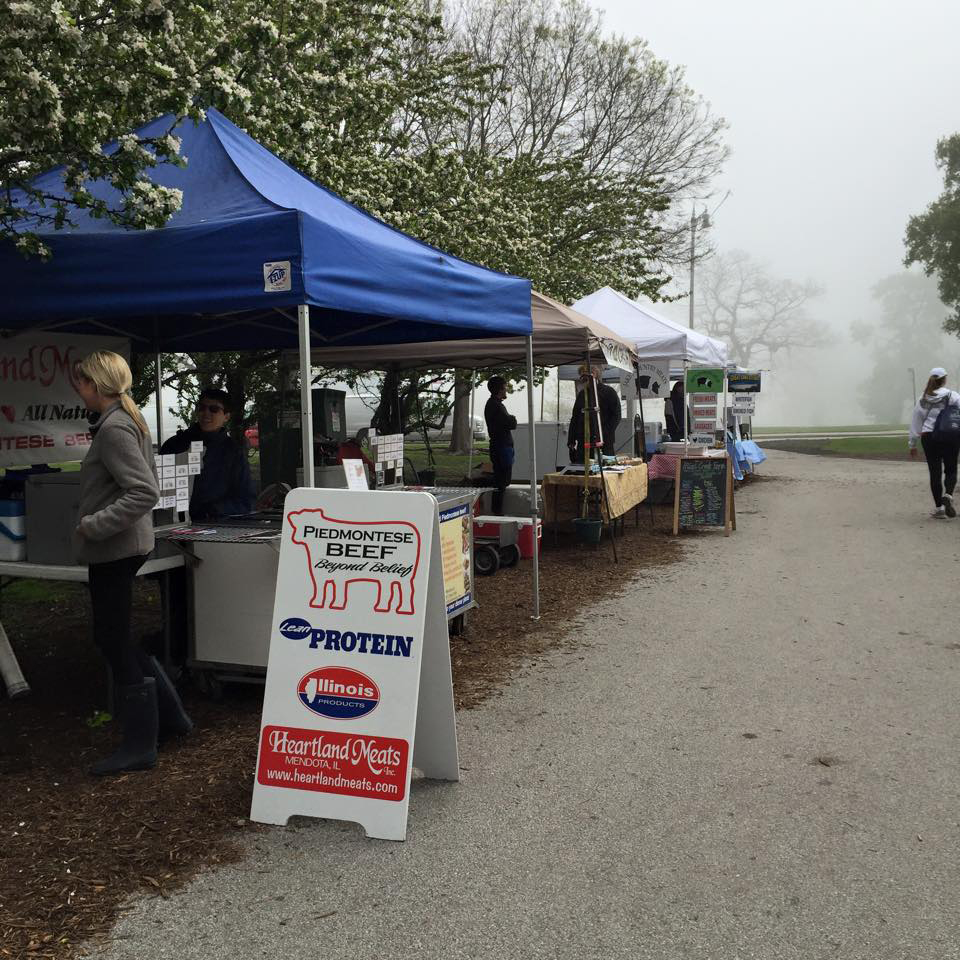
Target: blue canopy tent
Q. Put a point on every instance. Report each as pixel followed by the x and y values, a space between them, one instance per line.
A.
pixel 258 256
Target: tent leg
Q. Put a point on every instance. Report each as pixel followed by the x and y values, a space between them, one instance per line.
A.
pixel 531 425
pixel 473 378
pixel 158 386
pixel 306 400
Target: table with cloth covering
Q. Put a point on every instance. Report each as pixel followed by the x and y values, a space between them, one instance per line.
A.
pixel 625 491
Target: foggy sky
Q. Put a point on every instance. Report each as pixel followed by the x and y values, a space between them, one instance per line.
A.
pixel 834 111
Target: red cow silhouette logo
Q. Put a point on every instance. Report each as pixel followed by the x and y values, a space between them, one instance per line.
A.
pixel 340 552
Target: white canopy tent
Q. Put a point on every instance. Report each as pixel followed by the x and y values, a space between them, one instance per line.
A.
pixel 653 335
pixel 706 350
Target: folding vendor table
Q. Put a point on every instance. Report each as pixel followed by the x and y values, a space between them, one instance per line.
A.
pixel 64 573
pixel 625 491
pixel 232 576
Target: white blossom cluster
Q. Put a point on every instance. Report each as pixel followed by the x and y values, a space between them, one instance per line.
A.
pixel 78 76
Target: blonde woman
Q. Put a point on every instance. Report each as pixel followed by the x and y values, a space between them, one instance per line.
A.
pixel 114 535
pixel 940 452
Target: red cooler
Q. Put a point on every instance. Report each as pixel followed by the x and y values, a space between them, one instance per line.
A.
pixel 525 536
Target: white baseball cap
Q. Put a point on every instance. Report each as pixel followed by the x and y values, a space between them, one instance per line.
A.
pixel 938 372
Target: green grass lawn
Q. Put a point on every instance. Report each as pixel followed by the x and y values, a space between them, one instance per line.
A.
pixel 450 467
pixel 868 447
pixel 881 448
pixel 855 428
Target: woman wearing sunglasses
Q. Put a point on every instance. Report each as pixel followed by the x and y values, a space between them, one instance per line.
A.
pixel 223 488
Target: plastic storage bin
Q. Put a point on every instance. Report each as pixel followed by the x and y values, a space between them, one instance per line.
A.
pixel 13 530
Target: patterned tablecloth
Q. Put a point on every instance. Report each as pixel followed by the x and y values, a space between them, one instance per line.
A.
pixel 663 466
pixel 561 493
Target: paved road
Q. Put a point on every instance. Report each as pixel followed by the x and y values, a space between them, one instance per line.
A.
pixel 657 792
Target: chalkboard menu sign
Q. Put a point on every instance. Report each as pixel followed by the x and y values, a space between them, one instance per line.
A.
pixel 703 494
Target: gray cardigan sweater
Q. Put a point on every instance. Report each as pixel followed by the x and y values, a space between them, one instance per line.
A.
pixel 118 490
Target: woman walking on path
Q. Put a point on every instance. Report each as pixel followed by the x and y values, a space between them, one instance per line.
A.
pixel 114 535
pixel 941 451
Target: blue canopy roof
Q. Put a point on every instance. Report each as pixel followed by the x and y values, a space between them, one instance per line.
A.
pixel 253 240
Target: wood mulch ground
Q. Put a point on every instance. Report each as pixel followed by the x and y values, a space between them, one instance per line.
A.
pixel 74 850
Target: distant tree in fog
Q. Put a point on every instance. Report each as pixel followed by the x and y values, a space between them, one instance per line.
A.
pixel 933 237
pixel 906 331
pixel 756 314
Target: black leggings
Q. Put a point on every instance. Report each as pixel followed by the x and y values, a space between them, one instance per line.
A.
pixel 941 458
pixel 111 596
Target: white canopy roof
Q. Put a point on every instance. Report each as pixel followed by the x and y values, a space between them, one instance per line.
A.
pixel 653 335
pixel 701 348
pixel 650 337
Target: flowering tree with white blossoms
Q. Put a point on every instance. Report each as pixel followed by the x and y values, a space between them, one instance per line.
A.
pixel 78 74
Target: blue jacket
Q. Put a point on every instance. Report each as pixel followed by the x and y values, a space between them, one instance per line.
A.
pixel 224 487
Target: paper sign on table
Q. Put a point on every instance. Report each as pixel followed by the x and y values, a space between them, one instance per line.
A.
pixel 356 475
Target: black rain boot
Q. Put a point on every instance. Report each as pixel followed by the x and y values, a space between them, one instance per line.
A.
pixel 174 720
pixel 137 711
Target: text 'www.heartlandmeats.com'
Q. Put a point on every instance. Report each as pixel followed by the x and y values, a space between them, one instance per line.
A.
pixel 338 783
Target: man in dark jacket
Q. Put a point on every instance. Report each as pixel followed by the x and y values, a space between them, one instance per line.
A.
pixel 223 487
pixel 604 415
pixel 499 427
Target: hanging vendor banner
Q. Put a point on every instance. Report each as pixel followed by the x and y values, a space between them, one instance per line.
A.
pixel 617 355
pixel 705 380
pixel 42 420
pixel 359 687
pixel 654 379
pixel 743 381
pixel 456 545
pixel 743 404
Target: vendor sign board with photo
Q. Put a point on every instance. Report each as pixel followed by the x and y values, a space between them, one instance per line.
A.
pixel 743 381
pixel 705 380
pixel 42 419
pixel 654 379
pixel 359 687
pixel 456 545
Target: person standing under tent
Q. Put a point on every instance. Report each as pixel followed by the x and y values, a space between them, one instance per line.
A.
pixel 674 410
pixel 941 452
pixel 223 487
pixel 500 425
pixel 604 420
pixel 114 535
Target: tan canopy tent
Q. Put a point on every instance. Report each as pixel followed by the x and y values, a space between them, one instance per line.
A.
pixel 560 335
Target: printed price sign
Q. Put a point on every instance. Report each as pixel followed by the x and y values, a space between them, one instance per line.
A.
pixel 359 686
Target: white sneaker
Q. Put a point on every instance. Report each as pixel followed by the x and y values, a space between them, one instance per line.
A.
pixel 939 514
pixel 948 506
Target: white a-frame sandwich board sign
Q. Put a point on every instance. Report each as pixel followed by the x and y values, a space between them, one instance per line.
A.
pixel 359 687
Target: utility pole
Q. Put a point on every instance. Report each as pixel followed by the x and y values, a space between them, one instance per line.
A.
pixel 703 221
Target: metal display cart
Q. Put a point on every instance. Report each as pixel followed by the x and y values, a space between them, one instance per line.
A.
pixel 232 575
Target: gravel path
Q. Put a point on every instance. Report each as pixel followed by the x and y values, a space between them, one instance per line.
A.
pixel 753 754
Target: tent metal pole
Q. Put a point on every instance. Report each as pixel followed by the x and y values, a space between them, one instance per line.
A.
pixel 473 392
pixel 158 386
pixel 531 426
pixel 306 404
